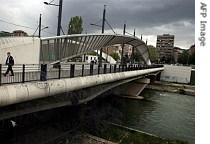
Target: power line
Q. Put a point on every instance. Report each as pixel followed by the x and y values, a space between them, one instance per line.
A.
pixel 16 24
pixel 4 21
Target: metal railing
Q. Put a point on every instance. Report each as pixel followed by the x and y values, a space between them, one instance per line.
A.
pixel 32 72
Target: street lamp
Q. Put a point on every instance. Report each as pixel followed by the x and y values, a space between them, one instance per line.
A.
pixel 59 13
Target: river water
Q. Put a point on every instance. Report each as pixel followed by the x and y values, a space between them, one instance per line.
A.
pixel 168 115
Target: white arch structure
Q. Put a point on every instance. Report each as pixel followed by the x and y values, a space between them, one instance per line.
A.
pixel 60 48
pixel 33 50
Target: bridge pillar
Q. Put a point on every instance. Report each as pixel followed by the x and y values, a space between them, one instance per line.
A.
pixel 133 89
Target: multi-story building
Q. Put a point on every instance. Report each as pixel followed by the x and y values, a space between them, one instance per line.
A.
pixel 165 45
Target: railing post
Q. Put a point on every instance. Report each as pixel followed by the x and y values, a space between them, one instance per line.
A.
pixel 72 68
pixel 115 68
pixel 43 73
pixel 91 68
pixel 23 74
pixel 99 69
pixel 82 69
pixel 0 73
pixel 105 68
pixel 126 67
pixel 59 71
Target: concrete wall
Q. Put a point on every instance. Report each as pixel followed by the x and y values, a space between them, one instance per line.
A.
pixel 25 50
pixel 179 74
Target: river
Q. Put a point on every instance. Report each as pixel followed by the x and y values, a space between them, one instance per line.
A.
pixel 168 115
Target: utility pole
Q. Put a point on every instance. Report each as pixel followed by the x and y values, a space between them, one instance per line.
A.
pixel 59 17
pixel 134 34
pixel 103 25
pixel 40 24
pixel 123 45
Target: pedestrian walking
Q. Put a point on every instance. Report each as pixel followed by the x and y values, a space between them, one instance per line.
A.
pixel 9 63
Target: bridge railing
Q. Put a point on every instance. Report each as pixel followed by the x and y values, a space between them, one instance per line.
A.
pixel 32 72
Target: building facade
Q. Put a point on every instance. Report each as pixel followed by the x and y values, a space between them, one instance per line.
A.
pixel 19 33
pixel 165 45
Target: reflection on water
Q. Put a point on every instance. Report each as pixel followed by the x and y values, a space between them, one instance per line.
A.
pixel 167 115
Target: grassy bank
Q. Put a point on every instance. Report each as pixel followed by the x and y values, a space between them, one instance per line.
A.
pixel 122 135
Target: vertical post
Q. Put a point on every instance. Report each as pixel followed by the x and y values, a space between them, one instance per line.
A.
pixel 82 69
pixel 103 25
pixel 105 68
pixel 91 68
pixel 23 74
pixel 59 17
pixel 0 73
pixel 134 34
pixel 115 68
pixel 72 68
pixel 59 71
pixel 122 60
pixel 110 69
pixel 126 68
pixel 99 69
pixel 43 73
pixel 40 24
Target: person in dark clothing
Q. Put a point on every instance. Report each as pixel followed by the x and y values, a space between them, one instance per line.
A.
pixel 9 63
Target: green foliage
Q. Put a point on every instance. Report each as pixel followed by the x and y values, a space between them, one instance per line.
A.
pixel 153 53
pixel 75 25
pixel 184 58
pixel 192 59
pixel 137 57
pixel 115 56
pixel 4 34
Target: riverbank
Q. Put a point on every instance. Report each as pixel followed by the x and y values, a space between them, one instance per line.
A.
pixel 124 135
pixel 172 87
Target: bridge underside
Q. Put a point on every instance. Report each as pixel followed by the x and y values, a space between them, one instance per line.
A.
pixel 61 48
pixel 66 99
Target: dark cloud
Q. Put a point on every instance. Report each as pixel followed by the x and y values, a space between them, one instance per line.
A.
pixel 149 17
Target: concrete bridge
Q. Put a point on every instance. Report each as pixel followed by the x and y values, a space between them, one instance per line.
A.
pixel 43 85
pixel 28 97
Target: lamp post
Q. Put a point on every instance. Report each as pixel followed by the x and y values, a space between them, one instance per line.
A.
pixel 123 45
pixel 40 26
pixel 103 24
pixel 59 14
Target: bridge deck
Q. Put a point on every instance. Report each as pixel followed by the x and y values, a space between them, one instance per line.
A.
pixel 27 73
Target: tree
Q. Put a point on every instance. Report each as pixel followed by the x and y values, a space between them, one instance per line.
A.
pixel 137 57
pixel 192 59
pixel 184 57
pixel 153 53
pixel 75 25
pixel 115 56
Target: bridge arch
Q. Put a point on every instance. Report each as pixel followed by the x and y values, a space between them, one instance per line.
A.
pixel 60 48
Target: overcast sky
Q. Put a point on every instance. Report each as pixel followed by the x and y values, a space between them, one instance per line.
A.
pixel 148 17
